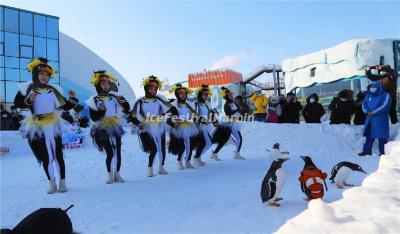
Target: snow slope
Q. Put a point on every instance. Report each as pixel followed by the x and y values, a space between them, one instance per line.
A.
pixel 222 197
pixel 373 207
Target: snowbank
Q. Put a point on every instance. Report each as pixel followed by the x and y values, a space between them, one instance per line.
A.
pixel 373 207
pixel 222 197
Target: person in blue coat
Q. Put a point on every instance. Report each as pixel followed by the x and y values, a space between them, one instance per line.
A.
pixel 376 106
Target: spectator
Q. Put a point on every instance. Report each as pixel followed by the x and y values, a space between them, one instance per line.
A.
pixel 290 109
pixel 243 107
pixel 376 106
pixel 313 111
pixel 274 110
pixel 6 119
pixel 260 103
pixel 342 107
pixel 359 117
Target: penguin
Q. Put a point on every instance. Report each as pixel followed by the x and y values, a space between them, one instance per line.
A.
pixel 273 182
pixel 312 180
pixel 341 171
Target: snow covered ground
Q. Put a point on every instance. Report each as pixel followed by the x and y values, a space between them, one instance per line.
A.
pixel 222 197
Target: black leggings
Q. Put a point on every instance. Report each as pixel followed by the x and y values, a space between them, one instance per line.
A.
pixel 39 149
pixel 109 148
pixel 151 147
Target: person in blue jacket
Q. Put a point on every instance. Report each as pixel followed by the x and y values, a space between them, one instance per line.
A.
pixel 376 106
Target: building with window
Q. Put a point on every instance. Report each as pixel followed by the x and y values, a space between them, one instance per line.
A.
pixel 328 71
pixel 25 35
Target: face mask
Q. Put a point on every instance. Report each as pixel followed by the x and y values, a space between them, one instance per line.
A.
pixel 343 99
pixel 373 90
pixel 312 100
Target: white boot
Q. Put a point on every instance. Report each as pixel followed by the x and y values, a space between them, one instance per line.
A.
pixel 188 165
pixel 110 178
pixel 198 162
pixel 63 187
pixel 118 178
pixel 150 171
pixel 215 157
pixel 162 171
pixel 179 165
pixel 52 186
pixel 237 156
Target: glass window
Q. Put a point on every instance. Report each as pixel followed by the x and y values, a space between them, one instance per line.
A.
pixel 11 44
pixel 1 18
pixel 39 47
pixel 26 23
pixel 1 61
pixel 52 28
pixel 12 62
pixel 11 91
pixel 23 63
pixel 25 75
pixel 1 36
pixel 12 74
pixel 1 48
pixel 26 51
pixel 1 74
pixel 10 20
pixel 52 50
pixel 26 40
pixel 40 25
pixel 2 91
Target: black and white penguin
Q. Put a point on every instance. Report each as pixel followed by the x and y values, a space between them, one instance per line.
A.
pixel 341 171
pixel 273 182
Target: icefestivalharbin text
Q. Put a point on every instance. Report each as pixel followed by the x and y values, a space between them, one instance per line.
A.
pixel 211 118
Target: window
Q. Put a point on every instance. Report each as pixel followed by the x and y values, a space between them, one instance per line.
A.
pixel 40 25
pixel 1 74
pixel 26 51
pixel 312 71
pixel 23 63
pixel 52 28
pixel 11 44
pixel 1 61
pixel 11 91
pixel 12 74
pixel 1 18
pixel 1 48
pixel 10 20
pixel 52 50
pixel 26 40
pixel 12 62
pixel 26 23
pixel 39 47
pixel 25 75
pixel 2 90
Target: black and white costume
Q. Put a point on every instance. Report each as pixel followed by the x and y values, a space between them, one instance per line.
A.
pixel 150 129
pixel 106 111
pixel 230 126
pixel 43 128
pixel 184 136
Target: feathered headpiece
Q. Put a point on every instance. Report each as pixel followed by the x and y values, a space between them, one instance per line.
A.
pixel 100 75
pixel 147 80
pixel 204 87
pixel 224 92
pixel 41 64
pixel 178 87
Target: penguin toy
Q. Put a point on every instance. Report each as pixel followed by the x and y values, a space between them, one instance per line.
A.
pixel 273 182
pixel 312 180
pixel 341 171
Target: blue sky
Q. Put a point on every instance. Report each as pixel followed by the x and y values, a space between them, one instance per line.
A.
pixel 172 39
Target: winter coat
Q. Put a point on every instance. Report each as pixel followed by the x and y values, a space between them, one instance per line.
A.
pixel 290 112
pixel 260 102
pixel 359 117
pixel 313 112
pixel 341 111
pixel 378 103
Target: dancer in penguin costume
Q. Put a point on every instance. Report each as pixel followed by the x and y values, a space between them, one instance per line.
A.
pixel 43 128
pixel 150 129
pixel 341 171
pixel 312 180
pixel 206 117
pixel 273 182
pixel 185 134
pixel 228 127
pixel 107 128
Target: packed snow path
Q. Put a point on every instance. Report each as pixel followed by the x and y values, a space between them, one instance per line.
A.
pixel 222 197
